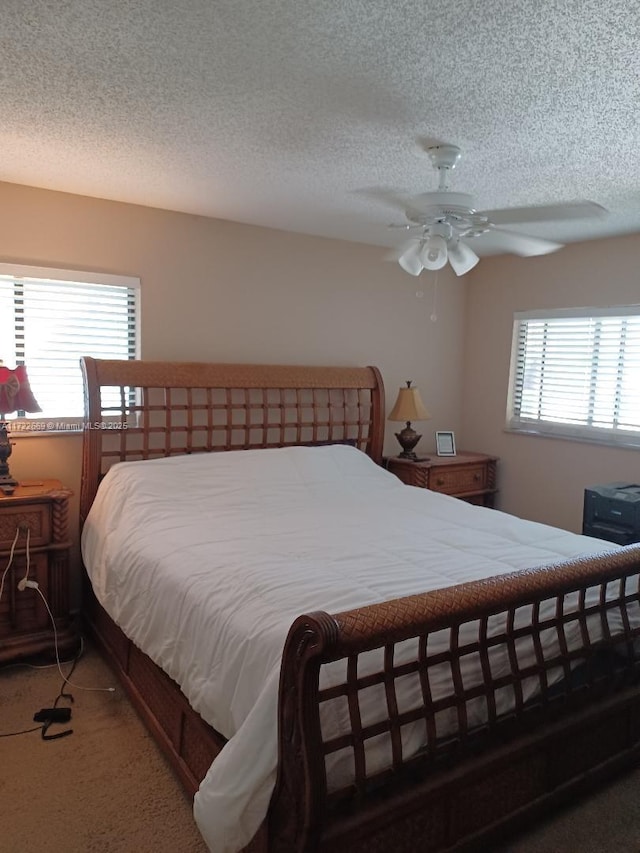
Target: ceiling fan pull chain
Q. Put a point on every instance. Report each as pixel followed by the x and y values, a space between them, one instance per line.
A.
pixel 434 315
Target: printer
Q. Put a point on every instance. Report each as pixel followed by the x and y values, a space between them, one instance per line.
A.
pixel 612 512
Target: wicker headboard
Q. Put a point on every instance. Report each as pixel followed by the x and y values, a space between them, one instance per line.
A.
pixel 148 409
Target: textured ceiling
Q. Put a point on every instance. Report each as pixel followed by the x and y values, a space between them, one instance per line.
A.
pixel 286 113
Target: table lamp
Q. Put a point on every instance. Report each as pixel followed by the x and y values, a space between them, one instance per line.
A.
pixel 15 395
pixel 408 407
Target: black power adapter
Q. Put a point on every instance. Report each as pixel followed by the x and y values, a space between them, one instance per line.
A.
pixel 47 716
pixel 52 715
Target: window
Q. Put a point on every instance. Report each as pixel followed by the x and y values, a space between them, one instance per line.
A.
pixel 576 373
pixel 50 318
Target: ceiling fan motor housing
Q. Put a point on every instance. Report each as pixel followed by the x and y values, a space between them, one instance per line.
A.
pixel 455 209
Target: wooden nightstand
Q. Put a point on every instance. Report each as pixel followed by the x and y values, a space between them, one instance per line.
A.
pixel 40 510
pixel 470 476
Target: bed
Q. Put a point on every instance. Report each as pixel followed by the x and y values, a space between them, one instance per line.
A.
pixel 430 717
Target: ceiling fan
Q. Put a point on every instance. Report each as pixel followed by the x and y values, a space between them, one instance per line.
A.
pixel 445 221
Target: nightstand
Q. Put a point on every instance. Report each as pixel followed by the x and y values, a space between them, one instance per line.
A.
pixel 38 511
pixel 470 476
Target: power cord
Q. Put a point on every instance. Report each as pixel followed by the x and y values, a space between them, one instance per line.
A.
pixel 27 584
pixel 27 556
pixel 23 732
pixel 47 716
pixel 8 566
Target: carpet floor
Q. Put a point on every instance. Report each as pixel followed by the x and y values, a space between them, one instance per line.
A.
pixel 104 789
pixel 107 789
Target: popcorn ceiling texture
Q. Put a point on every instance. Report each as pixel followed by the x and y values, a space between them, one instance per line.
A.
pixel 284 112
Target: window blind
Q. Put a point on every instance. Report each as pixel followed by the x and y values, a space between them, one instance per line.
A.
pixel 48 323
pixel 577 373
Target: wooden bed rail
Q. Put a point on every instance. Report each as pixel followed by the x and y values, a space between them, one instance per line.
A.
pixel 589 607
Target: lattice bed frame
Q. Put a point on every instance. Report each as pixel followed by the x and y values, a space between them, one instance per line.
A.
pixel 461 791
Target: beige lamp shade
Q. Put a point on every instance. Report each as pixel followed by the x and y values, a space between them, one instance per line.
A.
pixel 409 406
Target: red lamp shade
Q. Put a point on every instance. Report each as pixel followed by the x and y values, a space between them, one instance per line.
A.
pixel 15 391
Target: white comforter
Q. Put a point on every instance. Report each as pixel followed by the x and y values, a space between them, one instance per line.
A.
pixel 205 561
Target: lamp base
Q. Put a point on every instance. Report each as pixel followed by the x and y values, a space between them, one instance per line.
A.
pixel 5 452
pixel 410 455
pixel 408 438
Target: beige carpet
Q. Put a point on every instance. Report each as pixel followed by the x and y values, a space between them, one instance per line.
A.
pixel 107 789
pixel 103 789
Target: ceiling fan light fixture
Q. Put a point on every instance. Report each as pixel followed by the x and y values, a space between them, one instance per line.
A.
pixel 410 260
pixel 462 258
pixel 434 254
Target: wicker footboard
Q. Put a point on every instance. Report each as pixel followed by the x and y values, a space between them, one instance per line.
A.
pixel 479 780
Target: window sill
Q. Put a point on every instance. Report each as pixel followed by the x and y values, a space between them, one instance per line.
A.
pixel 623 444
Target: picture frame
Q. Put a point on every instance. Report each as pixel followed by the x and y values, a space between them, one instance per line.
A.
pixel 445 444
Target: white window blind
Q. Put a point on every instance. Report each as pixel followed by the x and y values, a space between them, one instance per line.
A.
pixel 577 373
pixel 50 318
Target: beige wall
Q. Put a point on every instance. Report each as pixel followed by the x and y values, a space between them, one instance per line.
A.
pixel 219 291
pixel 540 478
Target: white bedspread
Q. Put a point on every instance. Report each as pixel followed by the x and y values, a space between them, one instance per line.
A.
pixel 206 560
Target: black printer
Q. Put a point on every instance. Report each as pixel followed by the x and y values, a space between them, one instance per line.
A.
pixel 612 512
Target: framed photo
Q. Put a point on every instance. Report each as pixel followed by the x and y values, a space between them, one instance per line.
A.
pixel 445 444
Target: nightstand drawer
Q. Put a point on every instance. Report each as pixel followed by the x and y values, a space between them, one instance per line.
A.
pixel 459 480
pixel 470 476
pixel 37 517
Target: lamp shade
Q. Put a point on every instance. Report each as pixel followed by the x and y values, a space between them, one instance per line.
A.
pixel 462 258
pixel 409 406
pixel 409 258
pixel 15 391
pixel 434 254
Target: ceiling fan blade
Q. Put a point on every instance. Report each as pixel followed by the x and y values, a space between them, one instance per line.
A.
pixel 523 244
pixel 545 213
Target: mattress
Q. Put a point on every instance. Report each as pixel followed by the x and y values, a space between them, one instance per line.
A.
pixel 204 561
